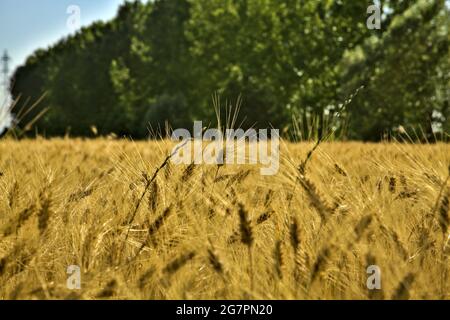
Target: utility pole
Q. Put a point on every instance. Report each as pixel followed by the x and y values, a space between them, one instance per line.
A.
pixel 5 115
pixel 5 70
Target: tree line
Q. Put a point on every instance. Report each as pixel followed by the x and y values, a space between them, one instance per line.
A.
pixel 160 62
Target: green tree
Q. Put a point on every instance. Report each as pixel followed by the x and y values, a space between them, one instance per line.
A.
pixel 405 71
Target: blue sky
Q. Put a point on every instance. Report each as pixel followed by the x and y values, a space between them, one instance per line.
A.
pixel 26 25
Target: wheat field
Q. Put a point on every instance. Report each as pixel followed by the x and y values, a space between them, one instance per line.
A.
pixel 140 227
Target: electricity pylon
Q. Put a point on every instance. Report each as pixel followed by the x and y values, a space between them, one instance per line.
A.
pixel 5 69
